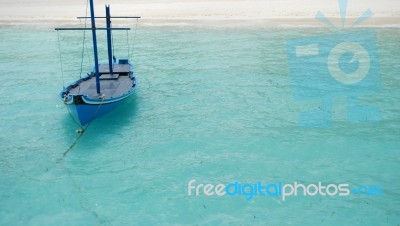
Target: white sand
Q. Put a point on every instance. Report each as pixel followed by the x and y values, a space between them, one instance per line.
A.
pixel 272 12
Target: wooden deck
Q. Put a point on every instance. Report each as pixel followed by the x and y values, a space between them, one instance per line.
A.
pixel 118 68
pixel 110 85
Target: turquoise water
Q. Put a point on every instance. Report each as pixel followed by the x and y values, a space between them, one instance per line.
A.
pixel 213 104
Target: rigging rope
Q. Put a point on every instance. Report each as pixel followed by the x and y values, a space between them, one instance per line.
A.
pixel 127 43
pixel 61 64
pixel 112 41
pixel 83 42
pixel 134 37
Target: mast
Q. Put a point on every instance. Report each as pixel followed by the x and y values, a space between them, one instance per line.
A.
pixel 108 22
pixel 109 38
pixel 96 60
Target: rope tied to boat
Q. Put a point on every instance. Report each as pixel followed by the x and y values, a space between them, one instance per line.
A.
pixel 81 129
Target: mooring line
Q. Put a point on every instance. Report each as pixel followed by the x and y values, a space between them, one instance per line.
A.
pixel 81 130
pixel 83 201
pixel 72 145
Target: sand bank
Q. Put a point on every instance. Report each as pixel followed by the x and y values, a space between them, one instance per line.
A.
pixel 219 12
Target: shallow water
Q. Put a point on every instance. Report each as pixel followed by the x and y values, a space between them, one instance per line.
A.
pixel 213 104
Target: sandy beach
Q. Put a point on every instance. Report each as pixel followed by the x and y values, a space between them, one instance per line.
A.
pixel 224 12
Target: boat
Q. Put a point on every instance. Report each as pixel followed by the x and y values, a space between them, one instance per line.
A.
pixel 107 85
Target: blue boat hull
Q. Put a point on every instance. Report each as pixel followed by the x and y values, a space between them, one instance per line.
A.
pixel 84 109
pixel 85 113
